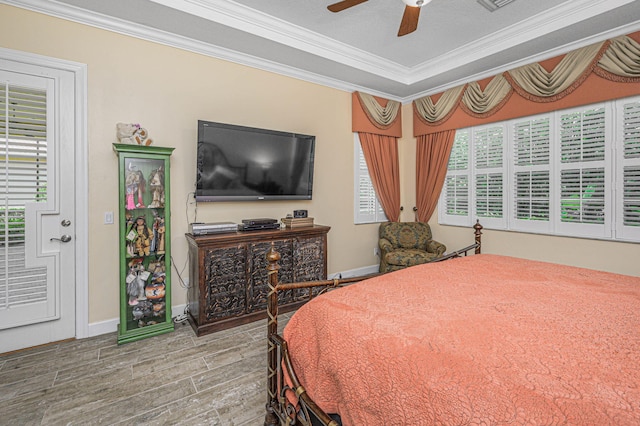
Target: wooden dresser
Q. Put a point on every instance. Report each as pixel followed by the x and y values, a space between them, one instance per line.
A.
pixel 228 276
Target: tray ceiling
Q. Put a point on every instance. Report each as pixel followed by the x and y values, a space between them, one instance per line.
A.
pixel 358 49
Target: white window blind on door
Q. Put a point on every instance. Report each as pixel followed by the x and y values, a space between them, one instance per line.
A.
pixel 23 115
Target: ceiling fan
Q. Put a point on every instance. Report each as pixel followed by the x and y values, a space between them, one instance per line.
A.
pixel 409 19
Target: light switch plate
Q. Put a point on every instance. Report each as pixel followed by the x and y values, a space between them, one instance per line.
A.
pixel 108 218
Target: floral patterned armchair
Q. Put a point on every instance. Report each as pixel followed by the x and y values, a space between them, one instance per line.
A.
pixel 404 244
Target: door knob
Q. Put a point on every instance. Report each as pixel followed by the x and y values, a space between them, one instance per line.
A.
pixel 65 238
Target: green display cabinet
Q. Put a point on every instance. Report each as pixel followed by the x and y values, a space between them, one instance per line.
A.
pixel 145 241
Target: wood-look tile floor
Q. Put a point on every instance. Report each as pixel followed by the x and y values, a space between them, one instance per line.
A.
pixel 172 379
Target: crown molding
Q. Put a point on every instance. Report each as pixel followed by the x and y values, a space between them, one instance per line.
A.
pixel 551 53
pixel 234 15
pixel 254 22
pixel 98 20
pixel 551 20
pixel 251 21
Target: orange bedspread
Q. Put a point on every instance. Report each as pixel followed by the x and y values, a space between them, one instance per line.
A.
pixel 480 340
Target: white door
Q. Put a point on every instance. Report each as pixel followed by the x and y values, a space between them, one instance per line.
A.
pixel 37 223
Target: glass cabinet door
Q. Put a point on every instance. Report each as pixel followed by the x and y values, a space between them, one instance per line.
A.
pixel 145 256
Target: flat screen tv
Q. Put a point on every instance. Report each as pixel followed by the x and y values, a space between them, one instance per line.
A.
pixel 237 163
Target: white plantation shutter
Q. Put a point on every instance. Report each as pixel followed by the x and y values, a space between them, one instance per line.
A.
pixel 367 207
pixel 628 166
pixel 582 195
pixel 453 207
pixel 574 172
pixel 457 195
pixel 488 154
pixel 531 180
pixel 583 172
pixel 23 149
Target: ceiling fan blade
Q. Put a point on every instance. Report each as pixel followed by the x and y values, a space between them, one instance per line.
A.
pixel 409 20
pixel 342 5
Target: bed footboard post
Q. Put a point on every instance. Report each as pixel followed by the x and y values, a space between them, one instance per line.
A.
pixel 272 328
pixel 478 233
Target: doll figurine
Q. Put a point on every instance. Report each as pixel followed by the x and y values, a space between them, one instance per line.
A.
pixel 161 234
pixel 130 237
pixel 135 187
pixel 136 282
pixel 143 237
pixel 156 183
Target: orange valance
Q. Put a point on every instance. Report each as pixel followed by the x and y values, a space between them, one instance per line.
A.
pixel 597 73
pixel 364 120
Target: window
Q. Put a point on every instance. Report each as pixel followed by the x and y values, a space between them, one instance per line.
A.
pixel 573 172
pixel 488 161
pixel 531 173
pixel 628 170
pixel 456 184
pixel 367 208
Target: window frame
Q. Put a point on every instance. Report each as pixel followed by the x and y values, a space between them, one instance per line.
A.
pixel 373 213
pixel 613 163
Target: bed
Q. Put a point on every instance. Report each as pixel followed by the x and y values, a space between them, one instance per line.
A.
pixel 476 340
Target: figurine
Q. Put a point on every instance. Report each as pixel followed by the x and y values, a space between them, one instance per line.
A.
pixel 143 237
pixel 136 280
pixel 132 133
pixel 155 291
pixel 142 310
pixel 135 187
pixel 159 309
pixel 130 235
pixel 156 183
pixel 155 237
pixel 161 234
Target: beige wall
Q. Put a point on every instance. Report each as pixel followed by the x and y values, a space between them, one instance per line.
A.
pixel 623 258
pixel 168 90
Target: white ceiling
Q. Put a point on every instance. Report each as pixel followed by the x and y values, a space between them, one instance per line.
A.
pixel 358 49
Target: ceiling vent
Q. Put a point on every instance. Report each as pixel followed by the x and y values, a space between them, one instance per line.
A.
pixel 494 4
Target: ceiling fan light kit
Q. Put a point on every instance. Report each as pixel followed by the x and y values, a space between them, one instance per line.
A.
pixel 416 3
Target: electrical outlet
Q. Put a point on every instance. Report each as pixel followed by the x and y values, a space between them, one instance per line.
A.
pixel 376 251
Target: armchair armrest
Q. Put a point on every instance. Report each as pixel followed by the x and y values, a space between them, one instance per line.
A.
pixel 385 245
pixel 436 247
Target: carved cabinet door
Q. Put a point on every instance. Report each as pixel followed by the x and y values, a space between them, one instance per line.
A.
pixel 258 286
pixel 224 282
pixel 308 263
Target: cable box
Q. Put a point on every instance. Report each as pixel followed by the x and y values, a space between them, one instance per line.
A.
pixel 259 226
pixel 200 228
pixel 259 221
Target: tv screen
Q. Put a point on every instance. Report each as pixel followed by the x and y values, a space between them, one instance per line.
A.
pixel 237 163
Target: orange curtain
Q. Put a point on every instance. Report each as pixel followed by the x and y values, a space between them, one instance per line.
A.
pixel 381 154
pixel 432 157
pixel 379 143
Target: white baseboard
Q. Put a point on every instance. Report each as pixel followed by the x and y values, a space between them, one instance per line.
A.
pixel 365 270
pixel 111 325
